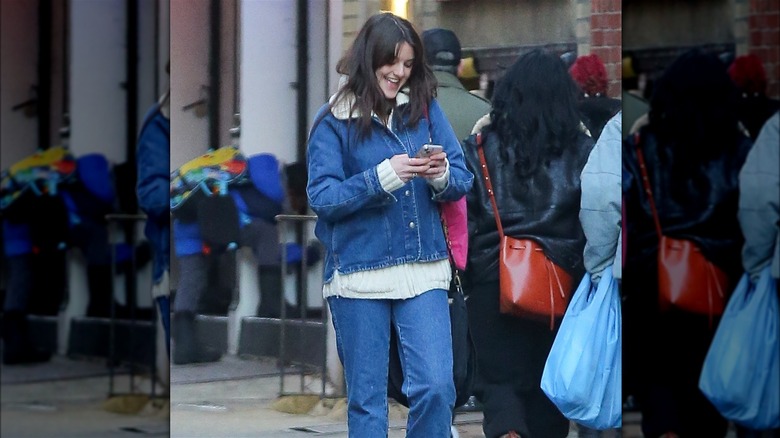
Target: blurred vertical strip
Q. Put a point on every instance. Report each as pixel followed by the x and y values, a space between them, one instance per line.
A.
pixel 764 40
pixel 215 66
pixel 45 21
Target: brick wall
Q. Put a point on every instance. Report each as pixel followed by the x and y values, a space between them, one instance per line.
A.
pixel 763 39
pixel 606 39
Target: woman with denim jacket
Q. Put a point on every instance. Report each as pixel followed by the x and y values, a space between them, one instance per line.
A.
pixel 386 260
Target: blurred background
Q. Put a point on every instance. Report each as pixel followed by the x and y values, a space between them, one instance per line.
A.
pixel 81 333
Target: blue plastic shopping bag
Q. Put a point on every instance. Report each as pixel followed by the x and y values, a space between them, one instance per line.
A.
pixel 741 372
pixel 583 372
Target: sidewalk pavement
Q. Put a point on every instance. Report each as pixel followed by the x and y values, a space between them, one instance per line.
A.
pixel 66 399
pixel 244 406
pixel 231 398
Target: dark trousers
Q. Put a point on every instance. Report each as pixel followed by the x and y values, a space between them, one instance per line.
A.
pixel 511 353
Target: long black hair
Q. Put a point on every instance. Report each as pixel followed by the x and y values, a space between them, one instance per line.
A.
pixel 377 44
pixel 693 110
pixel 535 111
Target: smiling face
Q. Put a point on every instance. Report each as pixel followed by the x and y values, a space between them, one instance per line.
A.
pixel 391 77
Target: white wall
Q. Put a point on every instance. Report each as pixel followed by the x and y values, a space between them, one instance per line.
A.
pixel 268 67
pixel 18 72
pixel 97 72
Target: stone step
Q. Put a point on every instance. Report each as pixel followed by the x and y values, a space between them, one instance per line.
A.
pixel 212 331
pixel 43 331
pixel 304 339
pixel 134 340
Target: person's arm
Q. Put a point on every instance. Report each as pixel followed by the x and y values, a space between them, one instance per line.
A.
pixel 759 195
pixel 600 205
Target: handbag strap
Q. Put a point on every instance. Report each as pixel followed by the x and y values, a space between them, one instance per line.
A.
pixel 646 183
pixel 489 186
pixel 550 267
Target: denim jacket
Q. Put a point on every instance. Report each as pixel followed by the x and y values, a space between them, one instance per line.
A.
pixel 361 226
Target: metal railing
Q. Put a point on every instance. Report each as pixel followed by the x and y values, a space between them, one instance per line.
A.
pixel 285 220
pixel 130 302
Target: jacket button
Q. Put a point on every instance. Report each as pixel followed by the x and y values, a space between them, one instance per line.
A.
pixel 407 193
pixel 411 224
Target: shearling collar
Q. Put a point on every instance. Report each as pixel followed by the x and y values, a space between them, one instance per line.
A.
pixel 481 123
pixel 340 109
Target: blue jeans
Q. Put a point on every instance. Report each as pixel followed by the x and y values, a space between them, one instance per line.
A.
pixel 422 324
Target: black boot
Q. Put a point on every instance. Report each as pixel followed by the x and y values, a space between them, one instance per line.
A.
pixel 185 342
pixel 16 341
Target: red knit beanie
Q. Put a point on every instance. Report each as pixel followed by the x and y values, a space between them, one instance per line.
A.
pixel 747 72
pixel 590 74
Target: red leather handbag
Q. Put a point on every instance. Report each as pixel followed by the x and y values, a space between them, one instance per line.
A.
pixel 686 279
pixel 531 285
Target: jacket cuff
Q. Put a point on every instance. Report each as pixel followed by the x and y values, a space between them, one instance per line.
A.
pixel 387 177
pixel 440 183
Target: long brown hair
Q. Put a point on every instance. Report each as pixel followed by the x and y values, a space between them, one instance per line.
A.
pixel 377 44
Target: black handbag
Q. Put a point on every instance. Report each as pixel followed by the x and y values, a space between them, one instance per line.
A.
pixel 464 360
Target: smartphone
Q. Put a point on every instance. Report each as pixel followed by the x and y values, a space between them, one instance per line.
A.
pixel 429 149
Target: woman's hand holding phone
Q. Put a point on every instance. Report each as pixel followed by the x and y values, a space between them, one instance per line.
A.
pixel 429 149
pixel 437 164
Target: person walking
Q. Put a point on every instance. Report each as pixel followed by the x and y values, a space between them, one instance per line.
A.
pixel 386 260
pixel 535 148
